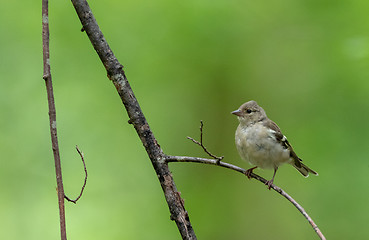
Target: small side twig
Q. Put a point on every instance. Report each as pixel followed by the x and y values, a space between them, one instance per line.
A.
pixel 84 184
pixel 202 145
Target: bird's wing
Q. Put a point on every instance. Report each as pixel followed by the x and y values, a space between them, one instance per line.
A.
pixel 282 140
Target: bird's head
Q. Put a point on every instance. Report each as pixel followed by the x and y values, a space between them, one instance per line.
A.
pixel 250 113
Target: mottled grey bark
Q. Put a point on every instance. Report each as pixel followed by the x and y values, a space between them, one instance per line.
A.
pixel 136 118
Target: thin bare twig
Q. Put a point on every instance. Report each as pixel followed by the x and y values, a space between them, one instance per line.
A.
pixel 52 115
pixel 202 145
pixel 84 184
pixel 252 175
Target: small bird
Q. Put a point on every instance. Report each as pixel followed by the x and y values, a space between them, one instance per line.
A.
pixel 260 142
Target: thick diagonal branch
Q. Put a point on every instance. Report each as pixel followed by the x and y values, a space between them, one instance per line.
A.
pixel 136 117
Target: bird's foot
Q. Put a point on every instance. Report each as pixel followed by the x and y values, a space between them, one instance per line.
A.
pixel 269 183
pixel 248 172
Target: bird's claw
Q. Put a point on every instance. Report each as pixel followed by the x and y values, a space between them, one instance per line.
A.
pixel 269 184
pixel 249 172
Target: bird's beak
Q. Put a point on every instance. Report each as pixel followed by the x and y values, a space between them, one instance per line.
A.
pixel 237 112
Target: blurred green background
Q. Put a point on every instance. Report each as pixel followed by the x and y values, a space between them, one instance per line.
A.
pixel 305 62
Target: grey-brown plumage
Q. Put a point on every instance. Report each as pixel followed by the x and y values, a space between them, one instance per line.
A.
pixel 260 141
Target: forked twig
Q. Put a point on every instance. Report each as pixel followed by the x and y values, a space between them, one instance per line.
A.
pixel 84 184
pixel 202 145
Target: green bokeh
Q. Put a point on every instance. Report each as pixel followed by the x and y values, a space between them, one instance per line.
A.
pixel 305 62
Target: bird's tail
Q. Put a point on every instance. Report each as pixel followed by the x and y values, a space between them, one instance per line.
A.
pixel 304 170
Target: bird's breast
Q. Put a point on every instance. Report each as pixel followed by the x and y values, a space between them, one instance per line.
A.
pixel 258 145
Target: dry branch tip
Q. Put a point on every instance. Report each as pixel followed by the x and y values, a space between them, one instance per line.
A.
pixel 218 159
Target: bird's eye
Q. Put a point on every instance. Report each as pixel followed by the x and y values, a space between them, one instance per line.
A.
pixel 248 111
